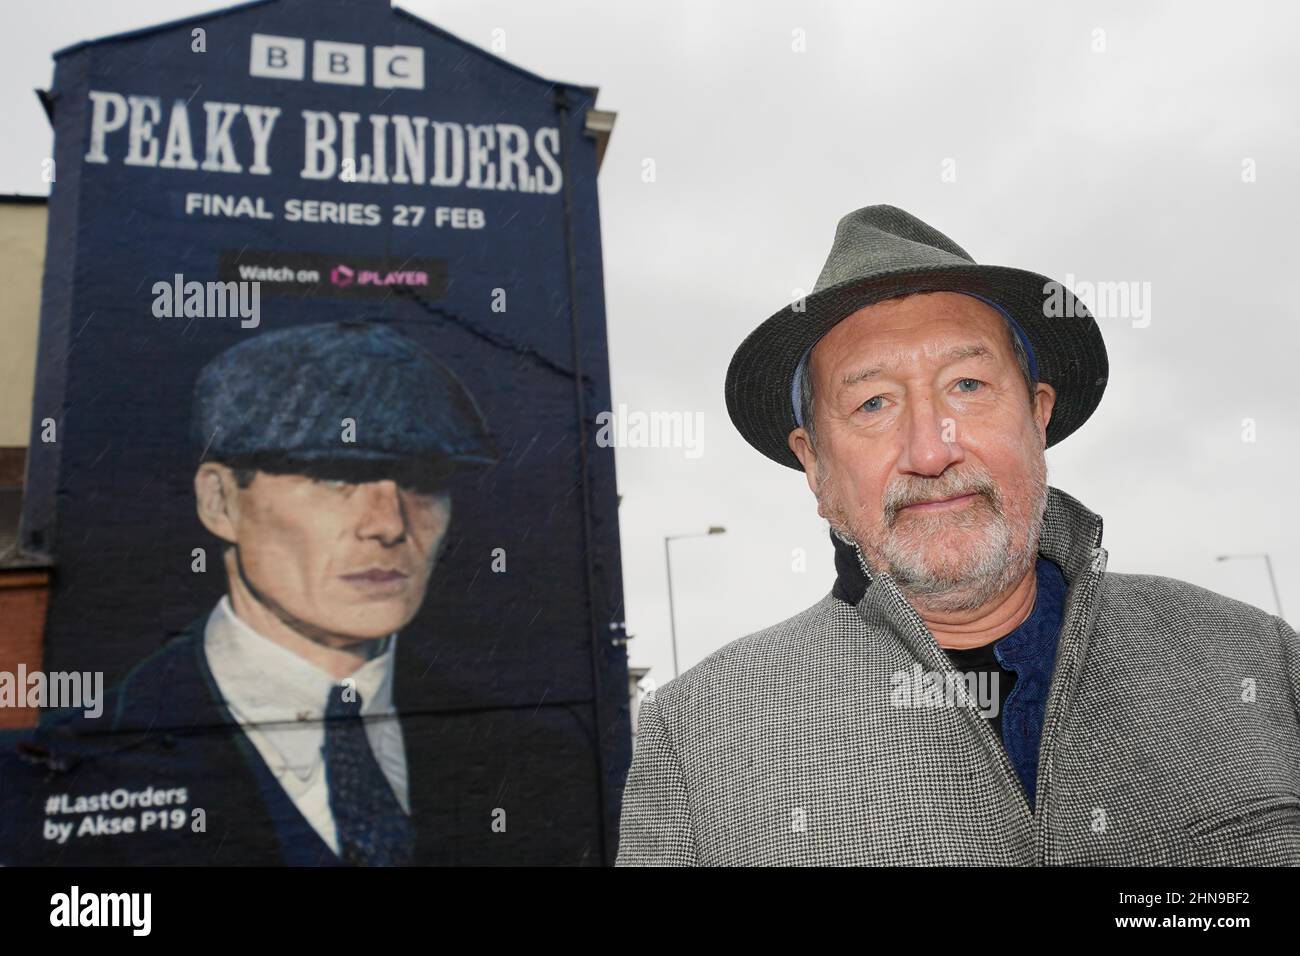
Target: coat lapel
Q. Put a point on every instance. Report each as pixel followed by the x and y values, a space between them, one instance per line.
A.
pixel 1072 538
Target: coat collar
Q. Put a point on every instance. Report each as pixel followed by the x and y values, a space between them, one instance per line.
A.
pixel 1071 536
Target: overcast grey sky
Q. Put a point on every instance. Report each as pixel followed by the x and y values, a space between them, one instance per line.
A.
pixel 1112 156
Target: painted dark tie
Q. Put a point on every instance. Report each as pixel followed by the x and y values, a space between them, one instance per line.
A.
pixel 373 830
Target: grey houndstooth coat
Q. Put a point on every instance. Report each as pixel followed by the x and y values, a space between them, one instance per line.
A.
pixel 1171 737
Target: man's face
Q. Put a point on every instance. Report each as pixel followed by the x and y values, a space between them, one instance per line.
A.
pixel 917 400
pixel 351 560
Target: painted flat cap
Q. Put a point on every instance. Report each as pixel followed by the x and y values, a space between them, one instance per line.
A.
pixel 280 401
pixel 882 252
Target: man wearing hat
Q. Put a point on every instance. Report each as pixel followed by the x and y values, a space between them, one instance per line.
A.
pixel 976 688
pixel 325 454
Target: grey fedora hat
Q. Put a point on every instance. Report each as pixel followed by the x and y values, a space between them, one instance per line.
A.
pixel 881 252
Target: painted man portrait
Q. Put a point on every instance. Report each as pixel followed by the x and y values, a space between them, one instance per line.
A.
pixel 293 723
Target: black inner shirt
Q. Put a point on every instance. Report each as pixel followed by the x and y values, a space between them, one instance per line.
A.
pixel 982 660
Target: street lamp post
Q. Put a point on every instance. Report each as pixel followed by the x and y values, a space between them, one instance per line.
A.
pixel 668 561
pixel 1268 563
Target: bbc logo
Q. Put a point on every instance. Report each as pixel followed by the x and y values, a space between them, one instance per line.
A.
pixel 285 58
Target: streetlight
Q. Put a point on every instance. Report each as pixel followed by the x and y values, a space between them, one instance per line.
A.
pixel 668 560
pixel 1268 564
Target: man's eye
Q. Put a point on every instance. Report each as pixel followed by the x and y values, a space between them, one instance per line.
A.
pixel 974 382
pixel 868 407
pixel 332 483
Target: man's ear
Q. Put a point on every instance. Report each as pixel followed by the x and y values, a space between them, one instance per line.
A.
pixel 1044 402
pixel 803 450
pixel 214 497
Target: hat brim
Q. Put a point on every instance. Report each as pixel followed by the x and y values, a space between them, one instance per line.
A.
pixel 1069 349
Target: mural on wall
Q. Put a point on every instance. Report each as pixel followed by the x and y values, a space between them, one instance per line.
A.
pixel 313 453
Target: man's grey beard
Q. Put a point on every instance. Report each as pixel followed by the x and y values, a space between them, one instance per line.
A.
pixel 988 564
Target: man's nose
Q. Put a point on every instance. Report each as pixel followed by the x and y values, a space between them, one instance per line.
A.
pixel 931 439
pixel 383 515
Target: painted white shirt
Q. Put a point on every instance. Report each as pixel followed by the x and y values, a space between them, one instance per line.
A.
pixel 279 700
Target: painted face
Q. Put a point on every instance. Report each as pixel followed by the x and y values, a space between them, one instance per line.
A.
pixel 929 454
pixel 348 559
